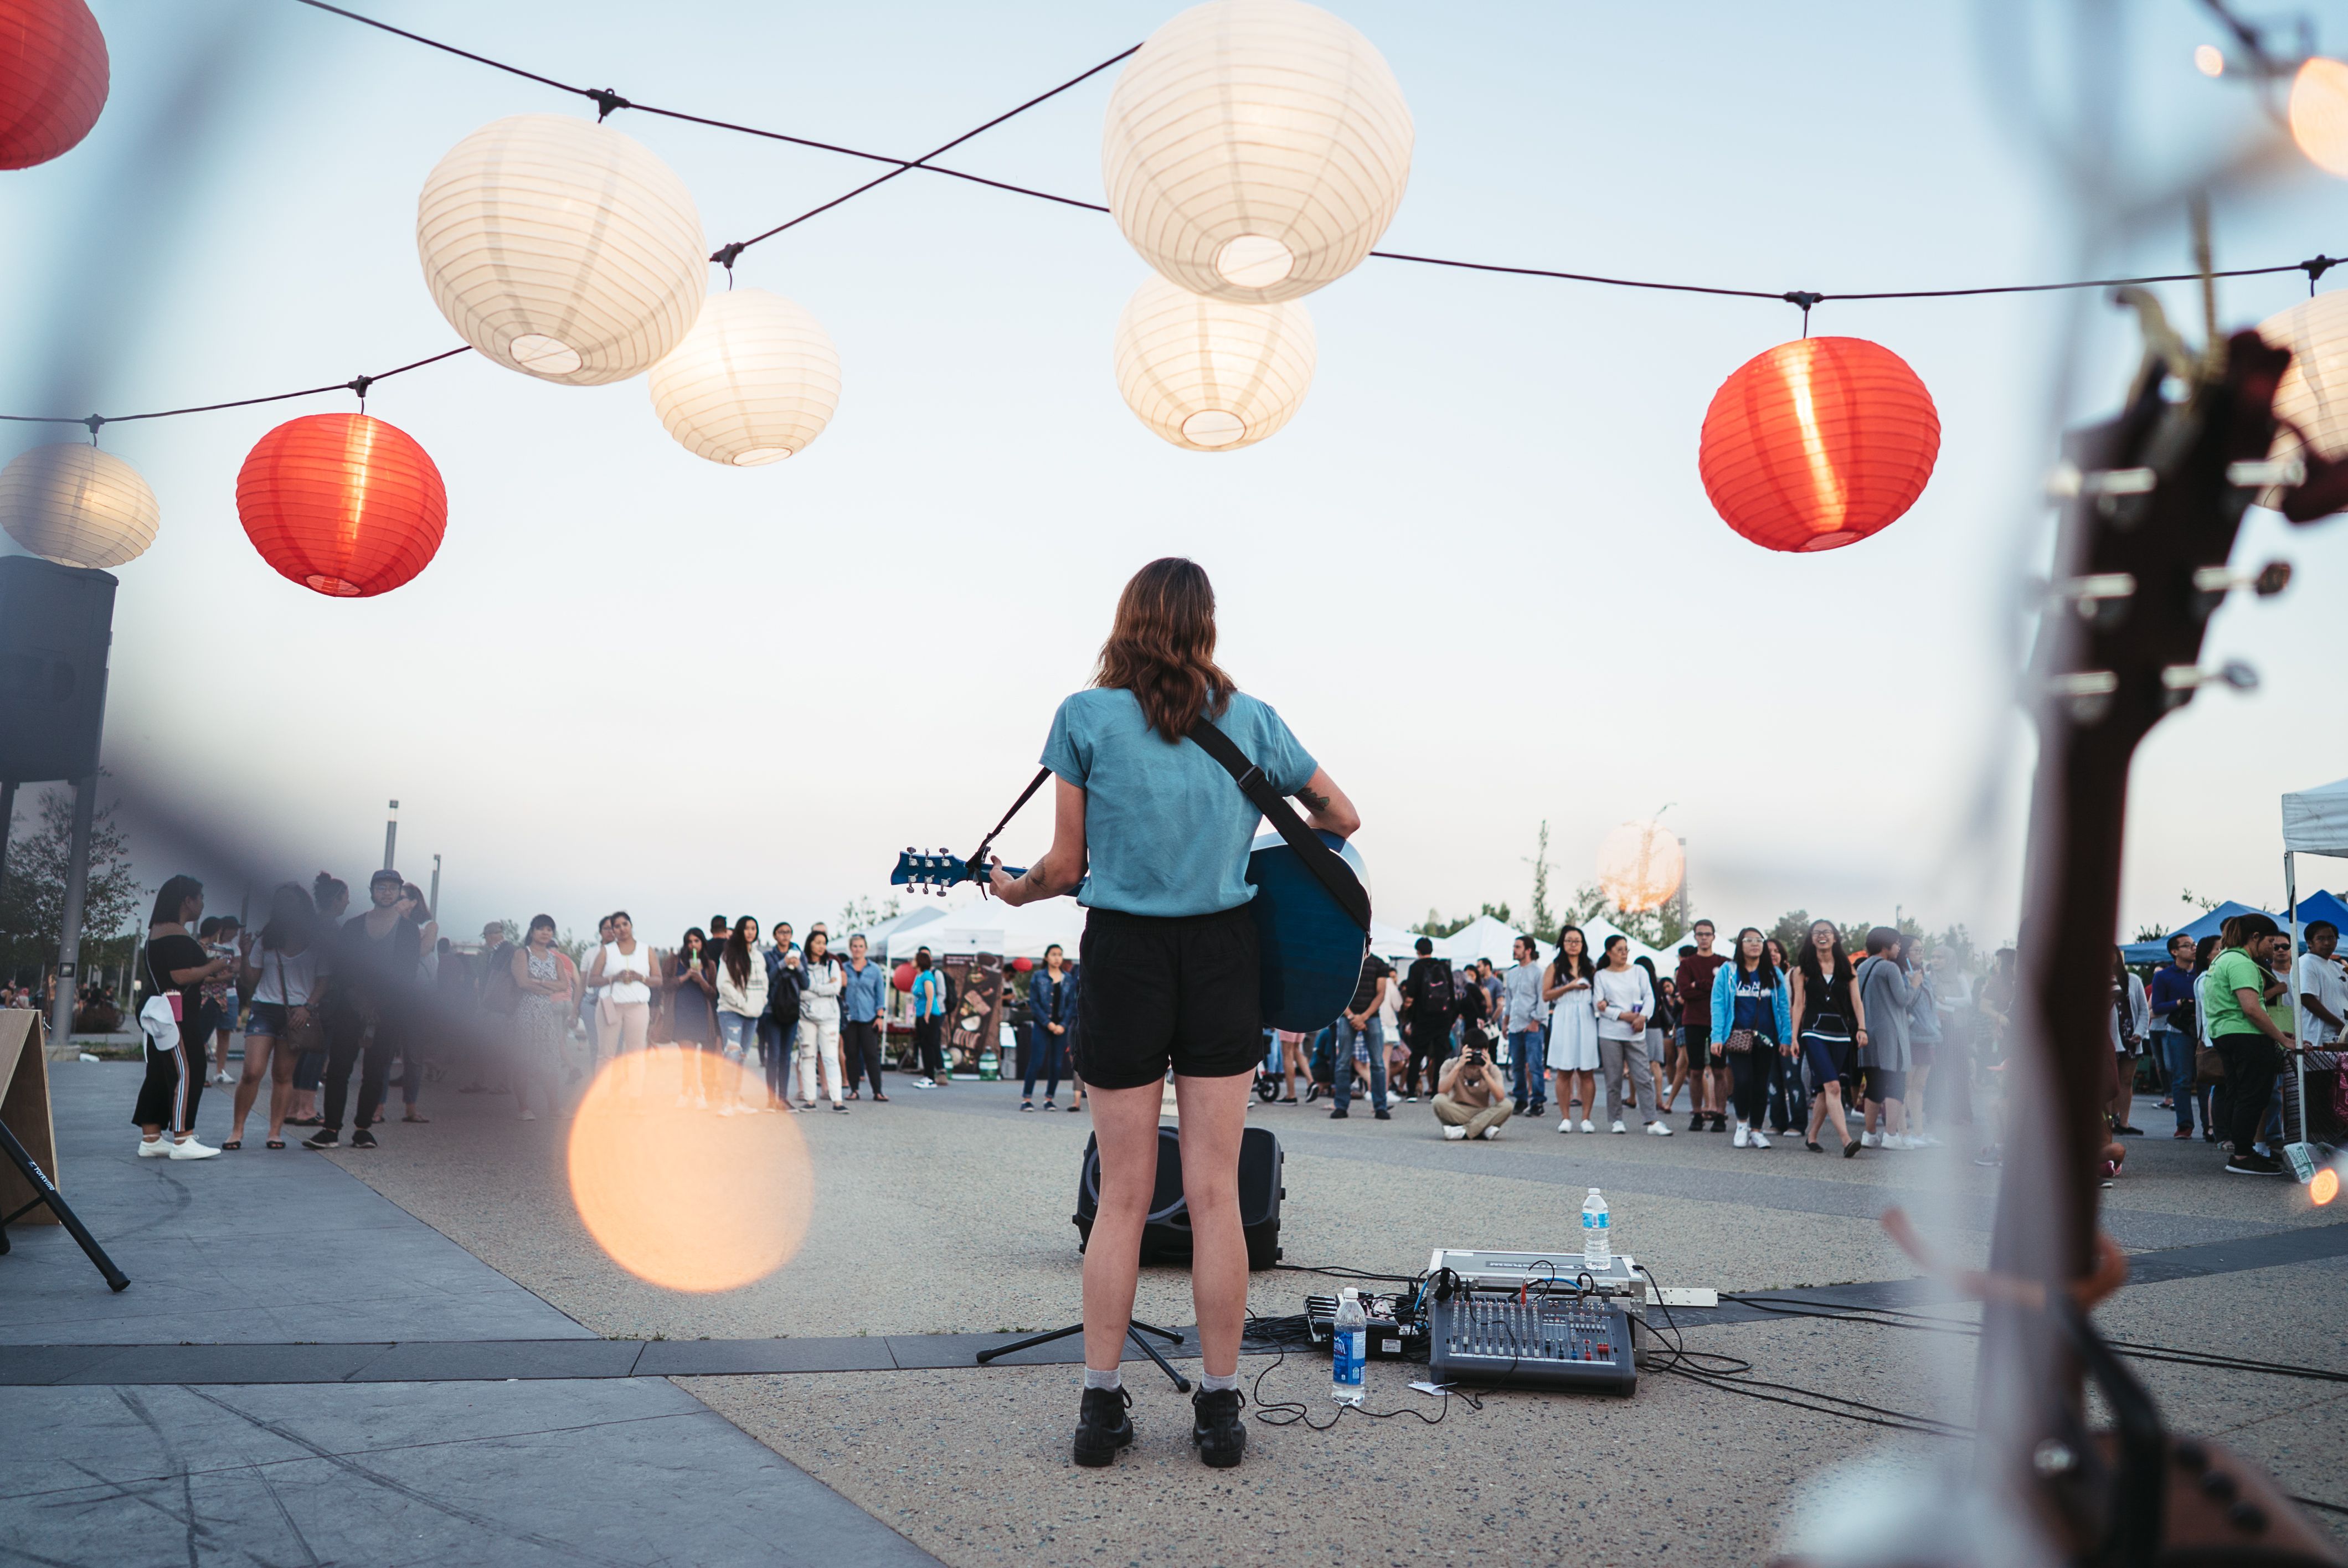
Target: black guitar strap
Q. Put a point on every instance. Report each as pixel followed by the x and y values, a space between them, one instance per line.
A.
pixel 1324 862
pixel 978 860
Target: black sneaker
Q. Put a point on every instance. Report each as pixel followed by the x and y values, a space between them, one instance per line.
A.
pixel 1102 1426
pixel 362 1139
pixel 1312 1092
pixel 1386 1116
pixel 1338 1114
pixel 1216 1427
pixel 323 1137
pixel 1696 1123
pixel 2252 1165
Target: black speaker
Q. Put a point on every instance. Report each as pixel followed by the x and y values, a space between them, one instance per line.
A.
pixel 1165 1235
pixel 55 624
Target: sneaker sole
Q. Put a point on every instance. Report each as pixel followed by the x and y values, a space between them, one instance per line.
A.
pixel 1093 1455
pixel 1216 1458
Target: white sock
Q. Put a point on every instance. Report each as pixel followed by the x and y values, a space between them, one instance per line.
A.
pixel 1212 1384
pixel 1112 1378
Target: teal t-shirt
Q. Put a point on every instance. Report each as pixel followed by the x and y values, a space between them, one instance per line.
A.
pixel 1166 829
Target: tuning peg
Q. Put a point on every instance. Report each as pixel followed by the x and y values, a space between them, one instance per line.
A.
pixel 2286 473
pixel 2086 694
pixel 2179 682
pixel 2099 597
pixel 2069 481
pixel 2211 584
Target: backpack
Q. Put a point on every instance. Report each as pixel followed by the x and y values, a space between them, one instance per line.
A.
pixel 783 997
pixel 1429 990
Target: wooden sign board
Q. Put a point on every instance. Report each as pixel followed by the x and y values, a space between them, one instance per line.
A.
pixel 25 1107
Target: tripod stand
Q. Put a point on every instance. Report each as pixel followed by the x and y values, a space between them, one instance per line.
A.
pixel 45 1192
pixel 1134 1331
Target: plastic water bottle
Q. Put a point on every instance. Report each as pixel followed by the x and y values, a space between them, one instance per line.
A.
pixel 1349 1348
pixel 1597 1243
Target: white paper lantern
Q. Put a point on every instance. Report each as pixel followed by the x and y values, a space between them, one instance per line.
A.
pixel 562 249
pixel 754 381
pixel 1210 375
pixel 1639 865
pixel 1255 149
pixel 77 505
pixel 2315 390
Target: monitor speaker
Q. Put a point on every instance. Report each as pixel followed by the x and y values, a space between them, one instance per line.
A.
pixel 56 622
pixel 1166 1233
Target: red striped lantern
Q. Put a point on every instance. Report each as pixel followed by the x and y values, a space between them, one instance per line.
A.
pixel 53 78
pixel 1818 444
pixel 343 504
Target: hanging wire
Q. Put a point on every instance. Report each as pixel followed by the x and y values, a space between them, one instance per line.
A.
pixel 358 384
pixel 608 100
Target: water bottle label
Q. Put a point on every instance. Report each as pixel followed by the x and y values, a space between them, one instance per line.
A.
pixel 1347 1355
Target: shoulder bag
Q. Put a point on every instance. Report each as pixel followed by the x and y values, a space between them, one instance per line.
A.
pixel 309 1033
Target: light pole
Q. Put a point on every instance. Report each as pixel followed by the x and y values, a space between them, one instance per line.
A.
pixel 391 837
pixel 433 903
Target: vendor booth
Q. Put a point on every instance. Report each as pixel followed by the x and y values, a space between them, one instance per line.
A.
pixel 2314 822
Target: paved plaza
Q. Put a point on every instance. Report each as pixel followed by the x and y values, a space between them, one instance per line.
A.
pixel 418 1354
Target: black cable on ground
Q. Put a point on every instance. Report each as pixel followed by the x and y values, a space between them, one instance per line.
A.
pixel 1895 1318
pixel 1294 1412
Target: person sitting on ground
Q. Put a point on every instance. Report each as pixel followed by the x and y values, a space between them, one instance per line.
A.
pixel 1470 1100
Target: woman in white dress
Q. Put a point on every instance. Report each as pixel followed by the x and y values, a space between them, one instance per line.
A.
pixel 1572 1028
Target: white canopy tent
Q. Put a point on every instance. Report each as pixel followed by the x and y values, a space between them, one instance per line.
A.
pixel 1482 938
pixel 1393 942
pixel 912 919
pixel 991 926
pixel 2314 822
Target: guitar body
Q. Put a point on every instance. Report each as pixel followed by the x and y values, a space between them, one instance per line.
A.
pixel 1311 950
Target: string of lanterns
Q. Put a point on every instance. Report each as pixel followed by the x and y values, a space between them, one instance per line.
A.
pixel 1252 151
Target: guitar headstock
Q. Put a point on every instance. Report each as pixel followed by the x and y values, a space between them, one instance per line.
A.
pixel 938 871
pixel 2156 497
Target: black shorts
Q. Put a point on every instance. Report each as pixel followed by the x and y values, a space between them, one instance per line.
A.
pixel 1700 1054
pixel 1158 991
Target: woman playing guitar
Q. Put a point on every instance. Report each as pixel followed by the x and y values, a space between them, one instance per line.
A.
pixel 1152 837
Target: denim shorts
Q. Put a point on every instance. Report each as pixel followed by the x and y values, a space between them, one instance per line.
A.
pixel 269 1019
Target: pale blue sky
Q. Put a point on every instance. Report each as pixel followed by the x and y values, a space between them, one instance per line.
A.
pixel 1477 573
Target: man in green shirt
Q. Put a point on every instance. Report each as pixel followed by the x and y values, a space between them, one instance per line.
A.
pixel 2242 1031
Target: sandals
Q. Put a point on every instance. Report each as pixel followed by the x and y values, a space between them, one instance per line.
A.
pixel 878 1097
pixel 412 1116
pixel 274 1144
pixel 231 1143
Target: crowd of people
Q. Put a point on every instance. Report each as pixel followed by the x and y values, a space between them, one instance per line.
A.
pixel 1845 1045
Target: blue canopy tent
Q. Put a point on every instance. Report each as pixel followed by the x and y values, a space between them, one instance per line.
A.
pixel 2207 925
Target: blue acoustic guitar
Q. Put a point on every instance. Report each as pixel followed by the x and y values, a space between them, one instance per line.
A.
pixel 1311 948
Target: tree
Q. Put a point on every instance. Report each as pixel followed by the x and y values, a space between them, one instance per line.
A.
pixel 2187 896
pixel 32 901
pixel 860 915
pixel 1436 926
pixel 1658 928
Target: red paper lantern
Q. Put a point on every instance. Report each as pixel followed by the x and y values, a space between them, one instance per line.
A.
pixel 53 78
pixel 1023 965
pixel 1818 444
pixel 343 504
pixel 903 978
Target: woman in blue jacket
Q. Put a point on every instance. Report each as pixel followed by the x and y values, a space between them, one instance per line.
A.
pixel 1753 1000
pixel 1049 1004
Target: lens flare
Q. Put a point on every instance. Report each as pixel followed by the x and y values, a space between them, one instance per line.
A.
pixel 2209 60
pixel 2325 1187
pixel 1639 865
pixel 2319 113
pixel 683 1198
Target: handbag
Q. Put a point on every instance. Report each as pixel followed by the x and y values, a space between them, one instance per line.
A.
pixel 2208 1065
pixel 310 1034
pixel 1739 1043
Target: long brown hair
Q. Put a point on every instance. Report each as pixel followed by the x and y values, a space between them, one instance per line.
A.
pixel 1162 647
